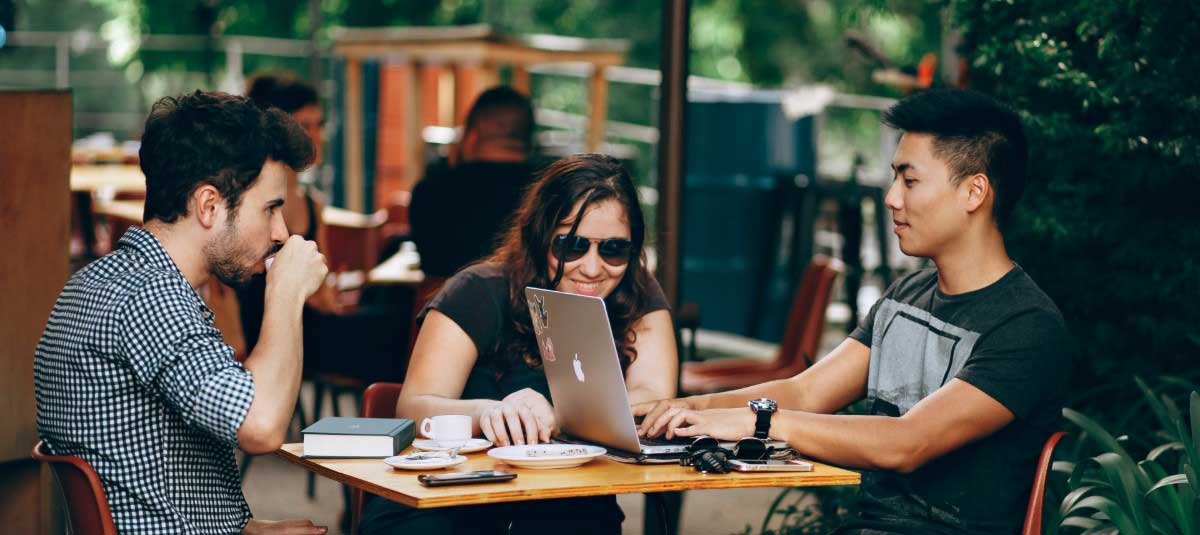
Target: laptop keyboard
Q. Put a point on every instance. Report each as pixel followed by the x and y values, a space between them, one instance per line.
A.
pixel 677 441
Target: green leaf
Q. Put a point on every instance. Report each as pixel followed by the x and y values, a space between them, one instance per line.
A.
pixel 1094 430
pixel 1173 479
pixel 1119 517
pixel 1156 405
pixel 1157 452
pixel 1192 453
pixel 1072 498
pixel 1167 501
pixel 1062 467
pixel 1120 473
pixel 1080 522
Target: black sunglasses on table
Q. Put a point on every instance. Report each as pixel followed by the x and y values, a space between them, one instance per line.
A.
pixel 569 248
pixel 749 448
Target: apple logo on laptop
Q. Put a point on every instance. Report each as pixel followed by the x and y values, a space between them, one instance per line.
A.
pixel 578 368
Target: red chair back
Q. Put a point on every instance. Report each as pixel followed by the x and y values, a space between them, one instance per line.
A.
pixel 86 502
pixel 806 318
pixel 378 401
pixel 1033 514
pixel 351 240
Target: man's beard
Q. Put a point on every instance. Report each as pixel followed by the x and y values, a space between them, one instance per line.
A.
pixel 229 260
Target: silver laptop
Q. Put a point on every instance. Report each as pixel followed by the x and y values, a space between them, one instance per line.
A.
pixel 584 373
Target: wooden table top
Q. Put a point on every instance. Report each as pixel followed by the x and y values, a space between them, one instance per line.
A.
pixel 116 178
pixel 599 477
pixel 129 211
pixel 399 269
pixel 341 217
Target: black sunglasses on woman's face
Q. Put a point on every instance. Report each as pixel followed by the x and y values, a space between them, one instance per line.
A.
pixel 569 248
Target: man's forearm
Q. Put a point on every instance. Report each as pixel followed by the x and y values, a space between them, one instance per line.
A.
pixel 783 391
pixel 868 442
pixel 276 363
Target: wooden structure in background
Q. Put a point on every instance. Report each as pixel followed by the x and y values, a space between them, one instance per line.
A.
pixel 35 164
pixel 431 77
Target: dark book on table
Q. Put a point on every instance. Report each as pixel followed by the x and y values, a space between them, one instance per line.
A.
pixel 345 438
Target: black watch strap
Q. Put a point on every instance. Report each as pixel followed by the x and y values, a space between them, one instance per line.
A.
pixel 763 423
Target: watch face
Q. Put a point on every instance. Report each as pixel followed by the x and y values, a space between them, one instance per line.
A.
pixel 763 404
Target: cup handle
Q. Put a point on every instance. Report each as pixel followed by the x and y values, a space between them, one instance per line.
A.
pixel 427 428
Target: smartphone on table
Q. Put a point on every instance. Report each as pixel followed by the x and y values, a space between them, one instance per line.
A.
pixel 794 465
pixel 463 478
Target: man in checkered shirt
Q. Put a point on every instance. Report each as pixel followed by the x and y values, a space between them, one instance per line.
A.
pixel 130 373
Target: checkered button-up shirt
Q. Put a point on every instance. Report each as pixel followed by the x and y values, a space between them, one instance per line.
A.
pixel 131 376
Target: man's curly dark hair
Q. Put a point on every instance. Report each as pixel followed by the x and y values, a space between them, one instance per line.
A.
pixel 213 138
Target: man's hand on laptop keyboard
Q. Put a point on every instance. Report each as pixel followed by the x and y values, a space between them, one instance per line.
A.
pixel 721 424
pixel 523 417
pixel 656 414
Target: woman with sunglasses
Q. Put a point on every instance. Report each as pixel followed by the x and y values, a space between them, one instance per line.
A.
pixel 579 229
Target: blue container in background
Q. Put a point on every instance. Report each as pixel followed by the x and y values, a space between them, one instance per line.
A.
pixel 739 148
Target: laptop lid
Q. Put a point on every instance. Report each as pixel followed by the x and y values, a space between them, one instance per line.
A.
pixel 582 368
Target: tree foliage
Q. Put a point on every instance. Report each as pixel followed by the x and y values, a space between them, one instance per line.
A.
pixel 1108 225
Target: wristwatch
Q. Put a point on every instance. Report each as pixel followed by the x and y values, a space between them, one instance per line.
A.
pixel 764 408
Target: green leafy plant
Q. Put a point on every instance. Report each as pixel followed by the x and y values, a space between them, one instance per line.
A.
pixel 1113 491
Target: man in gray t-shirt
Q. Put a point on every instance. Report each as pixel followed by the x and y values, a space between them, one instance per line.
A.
pixel 962 366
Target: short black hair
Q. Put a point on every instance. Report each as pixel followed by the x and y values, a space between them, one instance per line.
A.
pixel 973 133
pixel 213 138
pixel 281 90
pixel 503 113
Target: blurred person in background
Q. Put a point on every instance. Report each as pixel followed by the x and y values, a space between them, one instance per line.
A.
pixel 458 211
pixel 332 329
pixel 302 209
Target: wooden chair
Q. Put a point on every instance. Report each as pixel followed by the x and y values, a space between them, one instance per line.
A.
pixel 801 339
pixel 1037 497
pixel 86 503
pixel 397 216
pixel 378 401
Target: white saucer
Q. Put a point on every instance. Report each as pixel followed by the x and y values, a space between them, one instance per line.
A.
pixel 469 445
pixel 401 462
pixel 541 456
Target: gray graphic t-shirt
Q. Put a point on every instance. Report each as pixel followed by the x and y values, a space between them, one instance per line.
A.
pixel 1008 340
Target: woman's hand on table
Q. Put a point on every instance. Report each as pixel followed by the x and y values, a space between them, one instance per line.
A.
pixel 523 417
pixel 283 527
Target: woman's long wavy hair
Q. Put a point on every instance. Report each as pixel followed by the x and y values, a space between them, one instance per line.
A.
pixel 523 250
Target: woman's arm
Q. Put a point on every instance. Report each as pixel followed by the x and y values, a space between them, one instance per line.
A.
pixel 441 361
pixel 437 374
pixel 654 374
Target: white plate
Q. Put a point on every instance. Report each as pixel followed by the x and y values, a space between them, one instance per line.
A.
pixel 401 462
pixel 546 455
pixel 469 445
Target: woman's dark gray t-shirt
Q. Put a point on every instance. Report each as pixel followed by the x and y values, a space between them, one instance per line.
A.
pixel 476 299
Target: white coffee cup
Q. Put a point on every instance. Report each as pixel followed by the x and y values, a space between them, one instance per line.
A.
pixel 447 427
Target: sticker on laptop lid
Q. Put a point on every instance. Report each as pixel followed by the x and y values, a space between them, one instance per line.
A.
pixel 541 317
